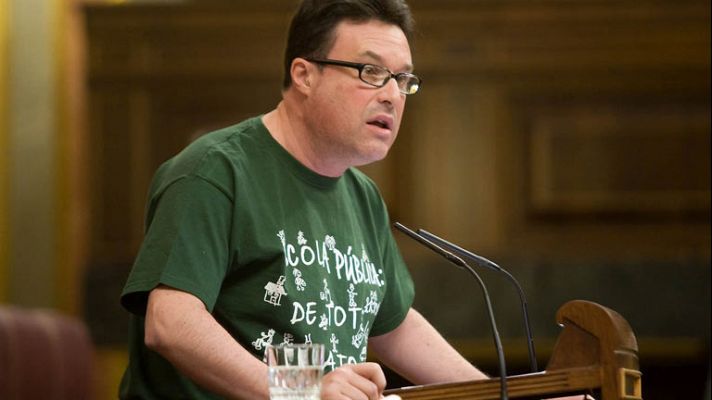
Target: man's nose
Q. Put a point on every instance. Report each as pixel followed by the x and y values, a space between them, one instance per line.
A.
pixel 390 92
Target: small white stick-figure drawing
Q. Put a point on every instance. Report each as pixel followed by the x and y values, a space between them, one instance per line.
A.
pixel 330 242
pixel 300 238
pixel 298 280
pixel 324 322
pixel 275 291
pixel 288 338
pixel 364 255
pixel 282 237
pixel 358 338
pixel 372 305
pixel 264 340
pixel 307 338
pixel 326 294
pixel 352 294
pixel 334 341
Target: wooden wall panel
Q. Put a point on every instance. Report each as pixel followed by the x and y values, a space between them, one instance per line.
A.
pixel 588 159
pixel 111 219
pixel 636 73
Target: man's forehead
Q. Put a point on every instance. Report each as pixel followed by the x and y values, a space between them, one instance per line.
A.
pixel 377 58
pixel 375 40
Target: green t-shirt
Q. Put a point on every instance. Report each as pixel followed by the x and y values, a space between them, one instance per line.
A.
pixel 277 253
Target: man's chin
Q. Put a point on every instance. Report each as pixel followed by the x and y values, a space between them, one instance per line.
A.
pixel 371 158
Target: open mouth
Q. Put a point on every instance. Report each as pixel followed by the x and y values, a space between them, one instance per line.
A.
pixel 382 123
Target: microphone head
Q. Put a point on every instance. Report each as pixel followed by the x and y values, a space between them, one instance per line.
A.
pixel 479 260
pixel 459 262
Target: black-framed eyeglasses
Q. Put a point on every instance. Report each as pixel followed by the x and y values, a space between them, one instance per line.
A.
pixel 378 76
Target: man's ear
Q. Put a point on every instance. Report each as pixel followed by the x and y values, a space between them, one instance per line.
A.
pixel 302 72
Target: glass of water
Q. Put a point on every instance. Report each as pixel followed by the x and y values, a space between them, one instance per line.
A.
pixel 295 371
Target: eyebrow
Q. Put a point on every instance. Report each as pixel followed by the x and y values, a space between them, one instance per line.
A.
pixel 376 57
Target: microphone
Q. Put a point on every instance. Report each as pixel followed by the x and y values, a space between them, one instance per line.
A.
pixel 463 265
pixel 485 263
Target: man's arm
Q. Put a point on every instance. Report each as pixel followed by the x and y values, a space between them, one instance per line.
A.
pixel 416 351
pixel 180 328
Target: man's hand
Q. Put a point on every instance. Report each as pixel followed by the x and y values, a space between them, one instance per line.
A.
pixel 364 381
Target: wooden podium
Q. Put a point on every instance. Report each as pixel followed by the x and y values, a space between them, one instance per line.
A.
pixel 596 353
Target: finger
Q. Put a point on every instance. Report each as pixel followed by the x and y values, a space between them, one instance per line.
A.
pixel 354 382
pixel 372 372
pixel 352 392
pixel 347 390
pixel 361 388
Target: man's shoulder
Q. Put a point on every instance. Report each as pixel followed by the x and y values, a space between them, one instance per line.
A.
pixel 214 156
pixel 225 139
pixel 228 142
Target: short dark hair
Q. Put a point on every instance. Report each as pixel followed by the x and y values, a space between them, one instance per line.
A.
pixel 311 32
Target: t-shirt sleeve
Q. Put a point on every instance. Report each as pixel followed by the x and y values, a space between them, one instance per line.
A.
pixel 186 245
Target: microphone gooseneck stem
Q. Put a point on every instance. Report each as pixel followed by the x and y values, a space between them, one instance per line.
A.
pixel 495 334
pixel 462 264
pixel 527 327
pixel 485 263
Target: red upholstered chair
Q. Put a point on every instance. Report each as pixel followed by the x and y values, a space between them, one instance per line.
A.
pixel 44 355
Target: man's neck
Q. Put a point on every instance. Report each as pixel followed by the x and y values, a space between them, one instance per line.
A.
pixel 288 127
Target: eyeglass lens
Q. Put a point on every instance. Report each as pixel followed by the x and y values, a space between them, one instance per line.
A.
pixel 379 76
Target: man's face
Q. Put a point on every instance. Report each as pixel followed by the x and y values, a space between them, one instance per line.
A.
pixel 354 123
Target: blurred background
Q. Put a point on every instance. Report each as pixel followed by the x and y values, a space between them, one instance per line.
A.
pixel 569 141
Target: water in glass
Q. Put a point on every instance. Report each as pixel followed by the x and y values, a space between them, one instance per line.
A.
pixel 295 383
